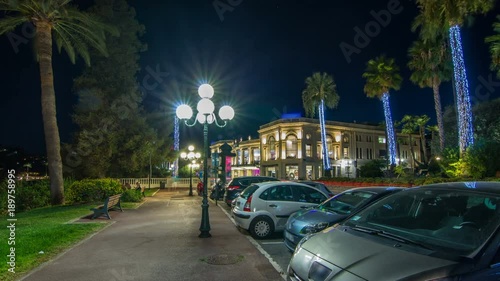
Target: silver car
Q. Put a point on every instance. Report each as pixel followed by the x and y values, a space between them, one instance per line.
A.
pixel 263 208
pixel 331 211
pixel 436 232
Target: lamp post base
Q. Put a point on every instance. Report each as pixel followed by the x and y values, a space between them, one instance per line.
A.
pixel 205 222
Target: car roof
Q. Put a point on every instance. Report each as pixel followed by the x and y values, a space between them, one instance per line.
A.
pixel 483 186
pixel 309 182
pixel 253 177
pixel 376 189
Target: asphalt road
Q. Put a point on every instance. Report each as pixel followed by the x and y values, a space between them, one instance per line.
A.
pixel 273 247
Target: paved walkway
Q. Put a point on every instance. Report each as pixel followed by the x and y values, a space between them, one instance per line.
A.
pixel 159 241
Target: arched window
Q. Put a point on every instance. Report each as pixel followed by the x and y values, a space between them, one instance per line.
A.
pixel 329 146
pixel 272 149
pixel 291 146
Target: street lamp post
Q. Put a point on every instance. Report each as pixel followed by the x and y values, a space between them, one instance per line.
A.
pixel 205 117
pixel 192 156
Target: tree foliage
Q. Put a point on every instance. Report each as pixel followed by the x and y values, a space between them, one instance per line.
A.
pixel 115 138
pixel 494 41
pixel 75 32
pixel 319 87
pixel 382 75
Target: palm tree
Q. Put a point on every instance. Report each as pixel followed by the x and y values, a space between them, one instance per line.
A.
pixel 494 41
pixel 431 64
pixel 437 16
pixel 320 91
pixel 382 75
pixel 421 122
pixel 73 31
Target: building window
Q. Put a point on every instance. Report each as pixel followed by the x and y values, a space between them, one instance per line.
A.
pixel 246 159
pixel 359 153
pixel 319 151
pixel 308 150
pixel 382 153
pixel 369 139
pixel 381 139
pixel 272 149
pixel 329 146
pixel 346 152
pixel 369 154
pixel 238 157
pixel 291 146
pixel 256 155
pixel 358 138
pixel 308 136
pixel 292 172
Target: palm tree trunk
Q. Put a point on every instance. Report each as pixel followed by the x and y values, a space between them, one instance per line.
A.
pixel 391 141
pixel 465 129
pixel 439 115
pixel 51 131
pixel 326 160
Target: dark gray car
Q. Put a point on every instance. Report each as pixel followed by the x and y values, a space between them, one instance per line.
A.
pixel 236 186
pixel 435 232
pixel 331 211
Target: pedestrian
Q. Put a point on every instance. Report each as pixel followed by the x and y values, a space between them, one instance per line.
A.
pixel 139 188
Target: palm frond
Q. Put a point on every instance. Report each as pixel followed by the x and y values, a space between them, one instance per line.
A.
pixel 10 23
pixel 382 75
pixel 319 87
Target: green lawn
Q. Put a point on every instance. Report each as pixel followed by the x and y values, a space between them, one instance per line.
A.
pixel 49 230
pixel 44 229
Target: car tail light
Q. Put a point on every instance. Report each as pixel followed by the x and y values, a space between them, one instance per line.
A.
pixel 232 187
pixel 246 207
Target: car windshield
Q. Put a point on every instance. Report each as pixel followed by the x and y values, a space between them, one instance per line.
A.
pixel 451 221
pixel 248 191
pixel 344 203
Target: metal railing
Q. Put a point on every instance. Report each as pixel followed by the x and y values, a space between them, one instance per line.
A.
pixel 155 182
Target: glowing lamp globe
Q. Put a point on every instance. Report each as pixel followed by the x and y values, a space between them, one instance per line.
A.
pixel 200 118
pixel 184 111
pixel 197 155
pixel 190 148
pixel 190 155
pixel 226 112
pixel 206 91
pixel 205 106
pixel 183 155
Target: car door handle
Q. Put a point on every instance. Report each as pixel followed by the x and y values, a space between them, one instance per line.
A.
pixel 273 206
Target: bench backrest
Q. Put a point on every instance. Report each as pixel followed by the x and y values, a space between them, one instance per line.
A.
pixel 113 200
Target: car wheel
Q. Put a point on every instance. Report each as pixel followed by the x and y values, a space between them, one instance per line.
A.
pixel 261 227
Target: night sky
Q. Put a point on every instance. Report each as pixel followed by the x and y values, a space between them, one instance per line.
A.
pixel 256 55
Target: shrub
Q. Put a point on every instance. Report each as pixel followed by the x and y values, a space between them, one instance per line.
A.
pixel 131 195
pixel 28 195
pixel 372 169
pixel 92 190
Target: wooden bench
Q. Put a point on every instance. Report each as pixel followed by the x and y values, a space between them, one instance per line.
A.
pixel 110 203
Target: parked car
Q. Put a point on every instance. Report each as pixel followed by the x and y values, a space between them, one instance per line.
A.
pixel 331 211
pixel 236 186
pixel 263 208
pixel 319 186
pixel 447 231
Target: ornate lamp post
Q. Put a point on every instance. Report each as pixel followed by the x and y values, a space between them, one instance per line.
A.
pixel 191 156
pixel 205 117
